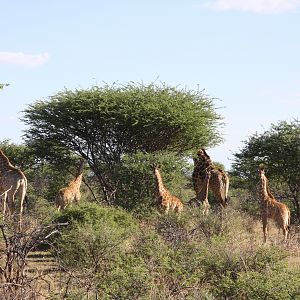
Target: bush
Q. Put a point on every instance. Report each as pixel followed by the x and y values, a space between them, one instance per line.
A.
pixel 190 256
pixel 95 245
pixel 94 214
pixel 259 273
pixel 40 209
pixel 129 278
pixel 272 284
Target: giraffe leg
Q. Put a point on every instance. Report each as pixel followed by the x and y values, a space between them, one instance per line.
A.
pixel 10 202
pixel 205 207
pixel 202 195
pixel 167 208
pixel 285 232
pixel 21 213
pixel 216 191
pixel 4 203
pixel 265 229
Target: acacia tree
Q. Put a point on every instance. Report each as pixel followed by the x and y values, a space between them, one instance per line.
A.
pixel 102 124
pixel 279 150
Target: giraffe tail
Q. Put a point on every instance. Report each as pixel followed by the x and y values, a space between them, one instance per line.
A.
pixel 288 220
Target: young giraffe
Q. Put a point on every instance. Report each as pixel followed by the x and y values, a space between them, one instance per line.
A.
pixel 164 197
pixel 12 183
pixel 70 193
pixel 206 176
pixel 272 209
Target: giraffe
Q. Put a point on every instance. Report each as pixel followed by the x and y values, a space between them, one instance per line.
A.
pixel 206 177
pixel 271 208
pixel 13 183
pixel 71 192
pixel 166 200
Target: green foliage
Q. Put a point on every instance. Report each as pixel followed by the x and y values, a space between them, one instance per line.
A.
pixel 92 213
pixel 99 241
pixel 45 181
pixel 18 155
pixel 245 201
pixel 130 118
pixel 40 209
pixel 277 285
pixel 128 279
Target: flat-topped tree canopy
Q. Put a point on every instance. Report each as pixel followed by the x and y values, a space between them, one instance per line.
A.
pixel 113 120
pixel 103 123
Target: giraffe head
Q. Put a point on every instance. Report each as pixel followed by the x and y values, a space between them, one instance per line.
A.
pixel 261 171
pixel 202 154
pixel 155 167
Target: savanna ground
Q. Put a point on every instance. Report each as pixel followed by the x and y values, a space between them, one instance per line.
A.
pixel 108 253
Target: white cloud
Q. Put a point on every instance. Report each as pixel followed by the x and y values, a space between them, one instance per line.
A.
pixel 19 58
pixel 256 6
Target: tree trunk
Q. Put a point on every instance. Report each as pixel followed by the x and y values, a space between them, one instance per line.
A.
pixel 297 207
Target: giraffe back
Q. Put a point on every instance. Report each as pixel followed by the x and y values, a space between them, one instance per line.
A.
pixel 277 211
pixel 171 202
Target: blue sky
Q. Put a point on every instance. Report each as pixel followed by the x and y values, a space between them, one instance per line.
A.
pixel 244 53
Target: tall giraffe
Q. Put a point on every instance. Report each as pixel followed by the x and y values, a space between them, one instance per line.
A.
pixel 271 208
pixel 12 183
pixel 70 193
pixel 164 197
pixel 207 176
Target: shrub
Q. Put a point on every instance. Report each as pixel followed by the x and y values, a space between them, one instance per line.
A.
pixel 190 256
pixel 271 284
pixel 94 246
pixel 94 214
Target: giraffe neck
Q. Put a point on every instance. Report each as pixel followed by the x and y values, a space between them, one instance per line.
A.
pixel 160 186
pixel 203 168
pixel 205 163
pixel 263 187
pixel 78 179
pixel 4 162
